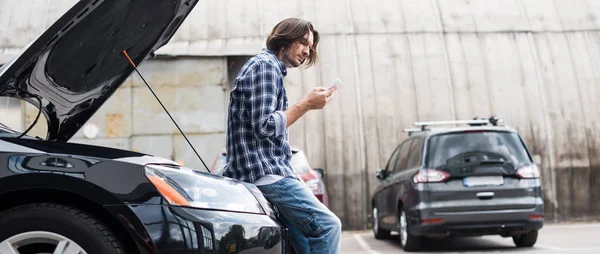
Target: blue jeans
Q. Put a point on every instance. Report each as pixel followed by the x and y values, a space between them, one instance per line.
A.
pixel 313 227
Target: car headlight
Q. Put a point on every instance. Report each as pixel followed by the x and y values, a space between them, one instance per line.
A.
pixel 182 186
pixel 315 185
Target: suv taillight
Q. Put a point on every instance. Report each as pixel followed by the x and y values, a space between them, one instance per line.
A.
pixel 430 176
pixel 529 172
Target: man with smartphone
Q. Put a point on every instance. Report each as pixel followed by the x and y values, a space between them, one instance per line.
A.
pixel 257 144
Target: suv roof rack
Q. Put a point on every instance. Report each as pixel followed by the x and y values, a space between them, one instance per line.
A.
pixel 477 121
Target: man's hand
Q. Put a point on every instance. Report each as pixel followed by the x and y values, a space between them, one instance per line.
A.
pixel 316 99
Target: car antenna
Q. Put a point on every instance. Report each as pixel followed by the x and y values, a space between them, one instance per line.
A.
pixel 163 106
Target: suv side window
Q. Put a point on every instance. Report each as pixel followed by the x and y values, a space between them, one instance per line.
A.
pixel 403 156
pixel 414 159
pixel 390 165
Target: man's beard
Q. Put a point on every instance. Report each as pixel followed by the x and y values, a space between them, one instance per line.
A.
pixel 293 64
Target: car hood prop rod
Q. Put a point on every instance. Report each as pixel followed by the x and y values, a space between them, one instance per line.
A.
pixel 163 106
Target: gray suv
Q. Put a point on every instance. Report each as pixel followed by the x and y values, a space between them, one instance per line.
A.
pixel 474 180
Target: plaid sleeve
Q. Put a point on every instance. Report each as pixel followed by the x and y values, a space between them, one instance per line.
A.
pixel 266 120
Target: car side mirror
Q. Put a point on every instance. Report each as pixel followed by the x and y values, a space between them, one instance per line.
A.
pixel 381 174
pixel 321 172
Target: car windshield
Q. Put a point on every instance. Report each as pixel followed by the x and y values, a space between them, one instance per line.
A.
pixel 220 163
pixel 448 146
pixel 300 163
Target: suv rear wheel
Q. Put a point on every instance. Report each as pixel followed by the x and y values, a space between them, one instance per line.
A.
pixel 526 240
pixel 378 231
pixel 54 228
pixel 409 242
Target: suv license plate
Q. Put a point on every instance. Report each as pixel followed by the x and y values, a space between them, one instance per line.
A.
pixel 472 181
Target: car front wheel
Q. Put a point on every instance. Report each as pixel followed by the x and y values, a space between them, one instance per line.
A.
pixel 377 230
pixel 54 228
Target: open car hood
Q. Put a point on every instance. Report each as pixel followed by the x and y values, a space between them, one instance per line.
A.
pixel 77 63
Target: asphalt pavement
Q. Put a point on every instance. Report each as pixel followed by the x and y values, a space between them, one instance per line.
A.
pixel 552 238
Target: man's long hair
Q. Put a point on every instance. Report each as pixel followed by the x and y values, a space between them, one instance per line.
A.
pixel 292 30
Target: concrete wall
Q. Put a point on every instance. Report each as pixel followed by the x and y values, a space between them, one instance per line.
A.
pixel 533 62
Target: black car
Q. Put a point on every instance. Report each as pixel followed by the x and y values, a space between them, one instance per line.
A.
pixel 459 181
pixel 60 197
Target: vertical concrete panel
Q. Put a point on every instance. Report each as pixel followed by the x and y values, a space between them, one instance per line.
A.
pixel 331 16
pixel 497 15
pixel 537 135
pixel 273 11
pixel 332 130
pixel 197 22
pixel 360 12
pixel 6 7
pixel 217 19
pixel 382 17
pixel 420 15
pixel 407 103
pixel 18 34
pixel 572 163
pixel 431 80
pixel 36 22
pixel 385 87
pixel 242 18
pixel 295 92
pixel 575 15
pixel 542 15
pixel 352 148
pixel 369 109
pixel 460 69
pixel 457 15
pixel 314 121
pixel 307 9
pixel 504 78
pixel 590 93
pixel 586 80
pixel 594 8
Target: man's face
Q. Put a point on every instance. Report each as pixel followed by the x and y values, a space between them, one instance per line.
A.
pixel 295 55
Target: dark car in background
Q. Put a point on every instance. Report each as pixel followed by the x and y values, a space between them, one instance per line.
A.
pixel 61 197
pixel 313 177
pixel 459 181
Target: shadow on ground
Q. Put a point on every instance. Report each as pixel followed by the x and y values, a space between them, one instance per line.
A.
pixel 463 244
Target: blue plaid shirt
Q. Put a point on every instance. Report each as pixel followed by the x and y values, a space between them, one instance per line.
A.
pixel 257 137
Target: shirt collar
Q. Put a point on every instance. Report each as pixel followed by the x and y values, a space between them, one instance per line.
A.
pixel 282 66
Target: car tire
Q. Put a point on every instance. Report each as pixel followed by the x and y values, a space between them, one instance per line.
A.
pixel 526 240
pixel 49 227
pixel 408 242
pixel 377 230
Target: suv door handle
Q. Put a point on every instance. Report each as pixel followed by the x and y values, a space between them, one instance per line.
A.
pixel 485 195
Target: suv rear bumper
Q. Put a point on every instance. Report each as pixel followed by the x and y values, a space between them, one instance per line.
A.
pixel 502 222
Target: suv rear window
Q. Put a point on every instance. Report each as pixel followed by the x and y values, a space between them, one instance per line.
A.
pixel 446 146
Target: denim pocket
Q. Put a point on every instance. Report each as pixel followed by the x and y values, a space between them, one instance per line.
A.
pixel 310 226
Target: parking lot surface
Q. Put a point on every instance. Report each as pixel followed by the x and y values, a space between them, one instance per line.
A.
pixel 563 238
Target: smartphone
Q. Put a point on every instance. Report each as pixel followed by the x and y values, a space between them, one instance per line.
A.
pixel 336 83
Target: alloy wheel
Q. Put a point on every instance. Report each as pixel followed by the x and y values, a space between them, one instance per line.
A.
pixel 54 243
pixel 403 228
pixel 375 220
